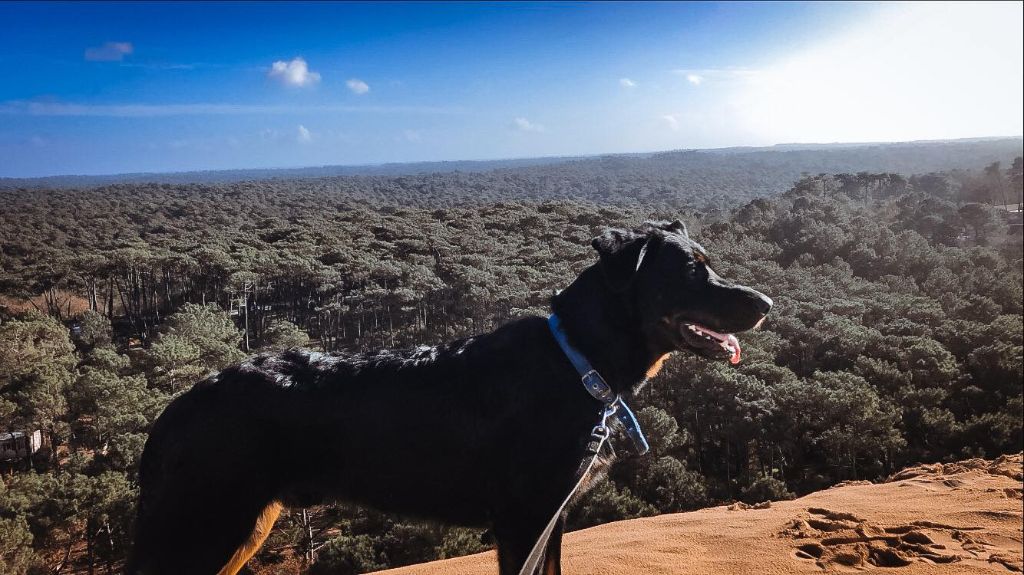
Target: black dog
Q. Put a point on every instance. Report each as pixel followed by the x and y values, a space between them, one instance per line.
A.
pixel 488 430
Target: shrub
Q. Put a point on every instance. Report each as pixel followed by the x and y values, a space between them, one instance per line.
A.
pixel 766 488
pixel 348 555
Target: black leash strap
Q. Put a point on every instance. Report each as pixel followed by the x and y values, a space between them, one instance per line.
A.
pixel 598 437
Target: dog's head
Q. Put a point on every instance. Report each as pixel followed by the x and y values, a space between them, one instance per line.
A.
pixel 681 303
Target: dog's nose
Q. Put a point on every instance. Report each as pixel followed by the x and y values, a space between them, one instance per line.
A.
pixel 764 303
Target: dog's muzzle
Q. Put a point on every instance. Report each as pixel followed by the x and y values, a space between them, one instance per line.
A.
pixel 711 342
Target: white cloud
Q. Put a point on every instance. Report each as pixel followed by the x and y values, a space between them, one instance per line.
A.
pixel 627 83
pixel 718 76
pixel 294 73
pixel 304 136
pixel 357 86
pixel 524 125
pixel 412 135
pixel 672 121
pixel 109 52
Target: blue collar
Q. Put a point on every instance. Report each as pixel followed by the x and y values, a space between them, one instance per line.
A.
pixel 597 387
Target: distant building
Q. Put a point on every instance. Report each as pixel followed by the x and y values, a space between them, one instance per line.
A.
pixel 1014 217
pixel 19 445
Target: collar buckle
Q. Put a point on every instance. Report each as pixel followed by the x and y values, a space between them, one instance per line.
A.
pixel 598 387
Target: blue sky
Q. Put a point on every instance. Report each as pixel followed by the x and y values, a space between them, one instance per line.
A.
pixel 106 88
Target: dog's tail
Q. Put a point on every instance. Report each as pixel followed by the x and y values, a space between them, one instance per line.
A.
pixel 264 523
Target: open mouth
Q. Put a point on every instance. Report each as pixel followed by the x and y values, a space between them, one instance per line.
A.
pixel 710 342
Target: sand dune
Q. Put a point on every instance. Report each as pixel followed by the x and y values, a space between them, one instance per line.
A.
pixel 938 519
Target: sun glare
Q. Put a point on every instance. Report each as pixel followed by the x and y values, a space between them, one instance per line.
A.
pixel 916 71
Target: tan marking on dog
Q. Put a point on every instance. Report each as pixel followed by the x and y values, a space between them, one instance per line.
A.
pixel 260 532
pixel 550 565
pixel 654 369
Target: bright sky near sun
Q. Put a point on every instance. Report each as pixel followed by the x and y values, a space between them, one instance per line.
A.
pixel 122 87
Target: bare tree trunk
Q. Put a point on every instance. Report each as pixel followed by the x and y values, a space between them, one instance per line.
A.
pixel 92 294
pixel 110 551
pixel 308 526
pixel 391 327
pixel 110 299
pixel 89 545
pixel 67 555
pixel 245 302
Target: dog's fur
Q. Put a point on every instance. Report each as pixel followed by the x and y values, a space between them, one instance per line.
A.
pixel 485 431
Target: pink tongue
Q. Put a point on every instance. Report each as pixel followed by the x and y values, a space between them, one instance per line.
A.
pixel 735 343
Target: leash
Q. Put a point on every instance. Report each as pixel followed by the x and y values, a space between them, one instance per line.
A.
pixel 614 406
pixel 598 388
pixel 598 437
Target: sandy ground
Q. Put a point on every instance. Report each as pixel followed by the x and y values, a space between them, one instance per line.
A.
pixel 937 519
pixel 78 304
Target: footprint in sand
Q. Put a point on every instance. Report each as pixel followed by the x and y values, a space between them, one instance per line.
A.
pixel 835 539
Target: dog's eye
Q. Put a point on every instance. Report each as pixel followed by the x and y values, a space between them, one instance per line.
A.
pixel 700 258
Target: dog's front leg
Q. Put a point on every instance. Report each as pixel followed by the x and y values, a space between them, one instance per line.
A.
pixel 515 539
pixel 553 553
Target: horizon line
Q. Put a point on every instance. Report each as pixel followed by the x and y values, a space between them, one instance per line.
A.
pixel 568 157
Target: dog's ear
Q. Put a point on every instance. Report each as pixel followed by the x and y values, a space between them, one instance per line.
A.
pixel 677 227
pixel 621 254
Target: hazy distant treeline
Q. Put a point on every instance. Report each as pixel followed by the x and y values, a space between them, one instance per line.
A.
pixel 701 178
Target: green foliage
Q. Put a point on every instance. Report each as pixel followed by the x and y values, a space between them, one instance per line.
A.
pixel 660 479
pixel 119 405
pixel 36 501
pixel 662 430
pixel 16 555
pixel 348 555
pixel 106 359
pixel 197 340
pixel 95 330
pixel 766 488
pixel 897 334
pixel 106 503
pixel 984 221
pixel 666 484
pixel 38 359
pixel 606 502
pixel 405 543
pixel 16 538
pixel 283 334
pixel 459 541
